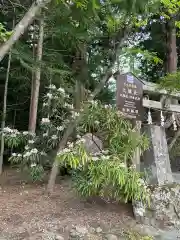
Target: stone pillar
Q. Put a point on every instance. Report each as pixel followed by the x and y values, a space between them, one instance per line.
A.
pixel 156 163
pixel 156 158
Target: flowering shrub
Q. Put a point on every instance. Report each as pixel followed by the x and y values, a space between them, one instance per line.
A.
pixel 106 173
pixel 36 155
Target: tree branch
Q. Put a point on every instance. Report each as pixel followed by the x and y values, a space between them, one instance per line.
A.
pixel 22 26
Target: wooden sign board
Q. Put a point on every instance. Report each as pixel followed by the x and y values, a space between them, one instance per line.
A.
pixel 129 96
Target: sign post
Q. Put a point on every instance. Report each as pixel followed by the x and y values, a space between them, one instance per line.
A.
pixel 129 98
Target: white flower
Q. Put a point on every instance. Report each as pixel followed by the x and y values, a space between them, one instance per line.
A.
pixel 45 134
pixel 49 95
pixel 60 128
pixel 78 137
pixel 70 106
pixel 45 104
pixel 61 90
pixel 70 145
pixel 19 155
pixel 31 141
pixel 59 153
pixel 105 151
pixel 34 150
pixel 14 154
pixel 97 122
pixel 25 133
pixel 33 165
pixel 27 154
pixel 31 28
pixel 43 153
pixel 66 150
pixel 75 114
pixel 95 158
pixel 16 131
pixel 93 102
pixel 82 140
pixel 26 147
pixel 123 165
pixel 45 120
pixel 97 154
pixel 54 137
pixel 105 157
pixel 8 130
pixel 52 86
pixel 107 106
pixel 76 24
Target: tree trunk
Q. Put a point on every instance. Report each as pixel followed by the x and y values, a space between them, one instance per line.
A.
pixel 172 63
pixel 171 47
pixel 4 112
pixel 36 81
pixel 3 123
pixel 79 68
pixel 22 26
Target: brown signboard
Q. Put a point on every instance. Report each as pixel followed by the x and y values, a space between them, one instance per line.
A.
pixel 129 96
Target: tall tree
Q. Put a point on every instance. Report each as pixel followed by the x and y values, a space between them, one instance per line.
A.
pixel 36 79
pixel 113 41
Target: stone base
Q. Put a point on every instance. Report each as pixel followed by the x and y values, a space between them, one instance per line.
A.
pixel 164 208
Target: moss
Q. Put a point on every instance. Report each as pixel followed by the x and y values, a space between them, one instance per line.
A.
pixel 132 235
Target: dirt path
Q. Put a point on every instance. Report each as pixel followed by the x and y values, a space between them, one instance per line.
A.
pixel 26 211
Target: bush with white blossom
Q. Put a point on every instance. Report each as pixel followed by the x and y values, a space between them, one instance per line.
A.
pixel 110 173
pixel 57 112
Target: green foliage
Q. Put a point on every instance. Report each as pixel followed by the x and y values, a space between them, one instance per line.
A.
pixel 37 173
pixel 171 82
pixel 171 6
pixel 106 174
pixel 120 137
pixel 4 34
pixel 13 138
pixel 98 26
pixel 111 180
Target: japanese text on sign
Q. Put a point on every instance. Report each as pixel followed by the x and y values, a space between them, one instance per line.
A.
pixel 129 96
